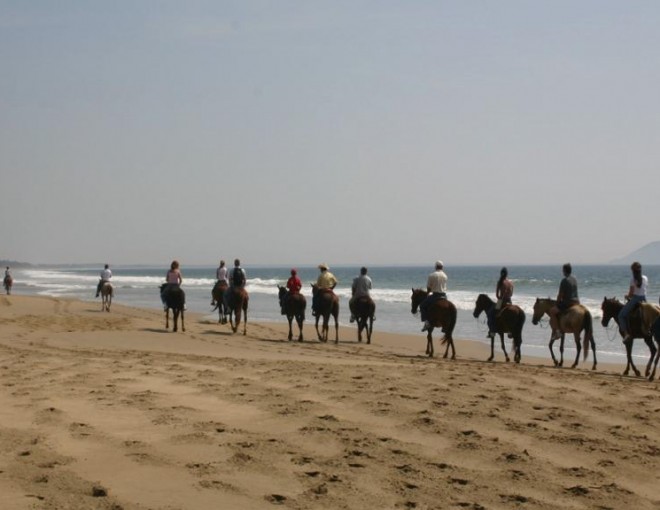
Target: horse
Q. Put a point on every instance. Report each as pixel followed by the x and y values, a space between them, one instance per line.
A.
pixel 611 308
pixel 573 320
pixel 510 319
pixel 237 301
pixel 107 293
pixel 7 283
pixel 294 307
pixel 328 304
pixel 217 294
pixel 175 299
pixel 442 313
pixel 364 309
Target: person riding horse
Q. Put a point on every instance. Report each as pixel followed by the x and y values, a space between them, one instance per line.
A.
pixel 293 286
pixel 173 280
pixel 237 280
pixel 503 293
pixel 566 297
pixel 636 294
pixel 436 286
pixel 325 283
pixel 106 275
pixel 361 288
pixel 222 280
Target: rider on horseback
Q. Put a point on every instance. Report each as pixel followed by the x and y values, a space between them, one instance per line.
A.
pixel 293 286
pixel 106 274
pixel 361 288
pixel 172 279
pixel 436 286
pixel 325 282
pixel 566 297
pixel 503 293
pixel 237 280
pixel 222 278
pixel 636 294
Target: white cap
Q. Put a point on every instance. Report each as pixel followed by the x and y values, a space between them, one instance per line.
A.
pixel 439 264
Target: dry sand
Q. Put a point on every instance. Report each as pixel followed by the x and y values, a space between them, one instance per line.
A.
pixel 108 410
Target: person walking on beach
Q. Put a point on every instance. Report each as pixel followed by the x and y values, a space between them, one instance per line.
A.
pixel 293 286
pixel 636 294
pixel 222 278
pixel 106 275
pixel 361 288
pixel 503 293
pixel 173 279
pixel 436 286
pixel 325 281
pixel 566 297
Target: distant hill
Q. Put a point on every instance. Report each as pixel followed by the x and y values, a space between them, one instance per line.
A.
pixel 646 255
pixel 13 263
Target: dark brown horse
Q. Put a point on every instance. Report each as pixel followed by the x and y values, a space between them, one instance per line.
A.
pixel 175 299
pixel 294 306
pixel 328 304
pixel 7 283
pixel 363 309
pixel 572 320
pixel 611 308
pixel 510 319
pixel 218 294
pixel 237 301
pixel 107 293
pixel 442 313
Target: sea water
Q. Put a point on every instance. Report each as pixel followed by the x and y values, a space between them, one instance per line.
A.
pixel 139 286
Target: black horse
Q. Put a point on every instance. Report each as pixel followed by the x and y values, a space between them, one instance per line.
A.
pixel 363 309
pixel 510 319
pixel 175 299
pixel 294 306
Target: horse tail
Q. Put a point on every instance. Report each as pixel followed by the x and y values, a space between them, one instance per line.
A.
pixel 587 324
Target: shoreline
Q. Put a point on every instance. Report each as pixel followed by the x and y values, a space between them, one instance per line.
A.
pixel 108 410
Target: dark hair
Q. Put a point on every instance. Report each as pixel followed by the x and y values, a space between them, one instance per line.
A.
pixel 504 272
pixel 567 268
pixel 237 262
pixel 363 270
pixel 636 268
pixel 107 266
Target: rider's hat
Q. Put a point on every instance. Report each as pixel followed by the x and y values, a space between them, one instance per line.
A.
pixel 323 266
pixel 439 264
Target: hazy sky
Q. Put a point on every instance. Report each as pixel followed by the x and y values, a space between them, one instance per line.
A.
pixel 294 132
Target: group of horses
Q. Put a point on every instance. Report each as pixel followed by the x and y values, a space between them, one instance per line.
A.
pixel 232 306
pixel 576 319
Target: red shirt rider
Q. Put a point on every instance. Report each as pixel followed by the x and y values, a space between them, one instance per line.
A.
pixel 294 284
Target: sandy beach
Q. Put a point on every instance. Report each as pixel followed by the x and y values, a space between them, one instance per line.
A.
pixel 110 411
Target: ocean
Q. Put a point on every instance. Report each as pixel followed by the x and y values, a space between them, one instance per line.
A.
pixel 138 286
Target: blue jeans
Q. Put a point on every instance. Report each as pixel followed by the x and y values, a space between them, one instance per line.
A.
pixel 625 311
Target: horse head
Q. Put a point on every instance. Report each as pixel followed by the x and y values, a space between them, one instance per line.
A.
pixel 482 304
pixel 418 295
pixel 610 308
pixel 281 292
pixel 541 306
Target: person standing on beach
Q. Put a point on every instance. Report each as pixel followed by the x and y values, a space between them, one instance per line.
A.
pixel 361 288
pixel 636 294
pixel 222 277
pixel 436 286
pixel 566 297
pixel 106 275
pixel 503 293
pixel 325 281
pixel 173 279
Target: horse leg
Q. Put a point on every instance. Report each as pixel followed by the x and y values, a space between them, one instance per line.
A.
pixel 316 325
pixel 552 353
pixel 578 347
pixel 561 349
pixel 175 319
pixel 429 343
pixel 655 364
pixel 593 350
pixel 630 364
pixel 360 325
pixel 649 341
pixel 290 319
pixel 506 355
pixel 167 318
pixel 245 320
pixel 370 328
pixel 299 320
pixel 336 328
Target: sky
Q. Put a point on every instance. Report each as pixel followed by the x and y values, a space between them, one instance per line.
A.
pixel 298 132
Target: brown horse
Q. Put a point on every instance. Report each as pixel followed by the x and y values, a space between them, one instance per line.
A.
pixel 611 308
pixel 294 306
pixel 442 313
pixel 363 309
pixel 7 283
pixel 175 299
pixel 510 319
pixel 107 293
pixel 217 294
pixel 328 304
pixel 237 301
pixel 573 320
